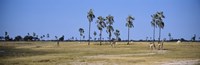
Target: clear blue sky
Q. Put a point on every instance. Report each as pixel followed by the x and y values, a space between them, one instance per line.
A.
pixel 65 17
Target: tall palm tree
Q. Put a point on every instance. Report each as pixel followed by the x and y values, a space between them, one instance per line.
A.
pixel 110 29
pixel 95 33
pixel 100 25
pixel 129 24
pixel 153 24
pixel 81 30
pixel 160 23
pixel 90 17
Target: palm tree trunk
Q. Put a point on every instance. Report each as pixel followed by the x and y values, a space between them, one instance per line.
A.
pixel 128 36
pixel 57 42
pixel 89 33
pixel 80 38
pixel 159 35
pixel 100 36
pixel 154 37
pixel 110 37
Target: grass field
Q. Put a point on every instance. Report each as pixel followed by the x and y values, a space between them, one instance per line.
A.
pixel 75 53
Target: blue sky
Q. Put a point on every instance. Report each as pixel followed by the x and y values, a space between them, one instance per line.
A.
pixel 65 17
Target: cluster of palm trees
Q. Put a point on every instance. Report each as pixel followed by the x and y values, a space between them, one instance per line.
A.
pixel 157 21
pixel 107 23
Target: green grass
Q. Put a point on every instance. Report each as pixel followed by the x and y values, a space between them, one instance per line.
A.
pixel 75 53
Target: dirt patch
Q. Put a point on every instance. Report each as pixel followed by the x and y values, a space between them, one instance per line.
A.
pixel 182 62
pixel 119 55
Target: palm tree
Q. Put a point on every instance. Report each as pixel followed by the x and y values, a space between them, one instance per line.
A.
pixel 153 24
pixel 41 37
pixel 169 34
pixel 100 25
pixel 95 33
pixel 6 36
pixel 81 30
pixel 117 33
pixel 47 35
pixel 90 17
pixel 160 23
pixel 34 34
pixel 110 29
pixel 6 33
pixel 129 24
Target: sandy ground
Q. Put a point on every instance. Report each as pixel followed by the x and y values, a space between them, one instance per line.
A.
pixel 126 57
pixel 181 62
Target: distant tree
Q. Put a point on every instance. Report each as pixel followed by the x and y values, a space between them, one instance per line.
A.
pixel 194 37
pixel 81 30
pixel 34 34
pixel 1 37
pixel 100 25
pixel 90 17
pixel 28 34
pixel 129 24
pixel 61 38
pixel 41 37
pixel 56 37
pixel 6 36
pixel 169 34
pixel 147 38
pixel 6 33
pixel 47 35
pixel 110 29
pixel 18 38
pixel 117 33
pixel 72 38
pixel 83 37
pixel 28 38
pixel 95 33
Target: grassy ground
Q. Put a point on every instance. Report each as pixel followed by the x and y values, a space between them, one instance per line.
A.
pixel 75 53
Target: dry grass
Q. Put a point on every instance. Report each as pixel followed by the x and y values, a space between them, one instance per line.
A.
pixel 75 53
